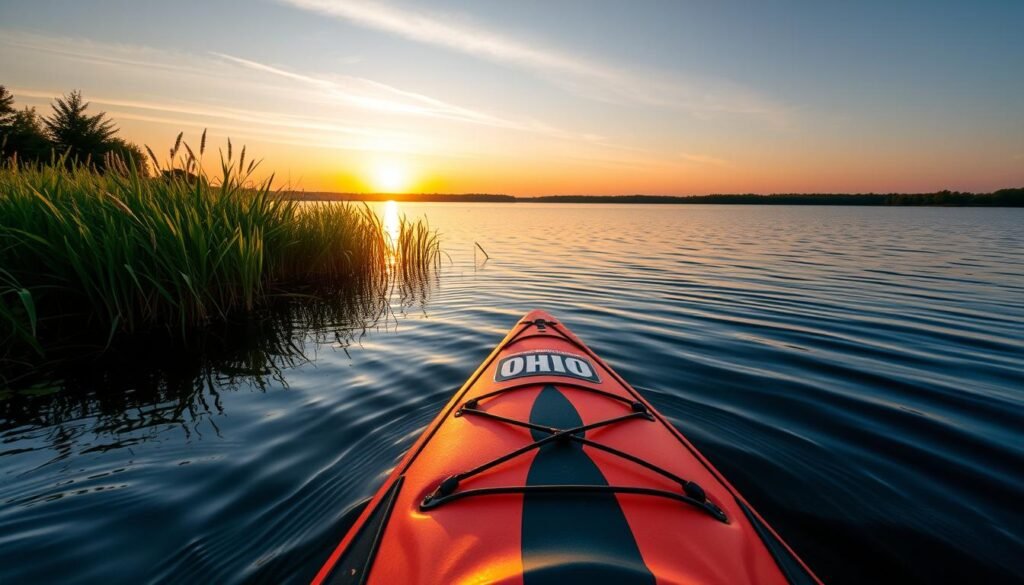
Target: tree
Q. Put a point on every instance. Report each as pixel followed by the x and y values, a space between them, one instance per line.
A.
pixel 7 110
pixel 86 139
pixel 23 135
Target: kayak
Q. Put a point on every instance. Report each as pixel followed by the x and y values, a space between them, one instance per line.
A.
pixel 548 467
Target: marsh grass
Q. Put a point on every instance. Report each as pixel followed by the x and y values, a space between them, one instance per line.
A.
pixel 417 252
pixel 96 256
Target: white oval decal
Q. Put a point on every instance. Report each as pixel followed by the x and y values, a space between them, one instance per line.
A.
pixel 545 363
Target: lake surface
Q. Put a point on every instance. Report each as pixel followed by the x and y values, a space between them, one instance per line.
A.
pixel 858 373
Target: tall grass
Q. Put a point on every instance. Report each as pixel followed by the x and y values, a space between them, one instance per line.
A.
pixel 123 253
pixel 418 249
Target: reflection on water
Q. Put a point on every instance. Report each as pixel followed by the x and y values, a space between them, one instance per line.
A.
pixel 392 222
pixel 155 384
pixel 857 373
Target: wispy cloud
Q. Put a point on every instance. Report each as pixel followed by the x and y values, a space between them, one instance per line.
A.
pixel 460 37
pixel 200 112
pixel 589 77
pixel 703 159
pixel 287 106
pixel 95 53
pixel 352 91
pixel 317 105
pixel 266 125
pixel 373 95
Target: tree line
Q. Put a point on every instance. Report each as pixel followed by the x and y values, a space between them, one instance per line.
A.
pixel 1012 197
pixel 69 134
pixel 1002 198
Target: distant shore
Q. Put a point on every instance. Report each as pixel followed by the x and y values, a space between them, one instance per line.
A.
pixel 1001 198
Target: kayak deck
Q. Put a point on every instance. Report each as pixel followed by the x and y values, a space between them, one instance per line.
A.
pixel 547 467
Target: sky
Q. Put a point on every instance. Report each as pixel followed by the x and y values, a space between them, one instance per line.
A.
pixel 551 97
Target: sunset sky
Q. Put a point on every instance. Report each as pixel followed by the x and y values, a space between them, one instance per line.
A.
pixel 541 97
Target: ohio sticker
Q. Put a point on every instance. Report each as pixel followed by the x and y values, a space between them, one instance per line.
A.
pixel 545 363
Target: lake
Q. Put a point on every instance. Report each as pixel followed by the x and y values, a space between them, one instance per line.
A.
pixel 856 372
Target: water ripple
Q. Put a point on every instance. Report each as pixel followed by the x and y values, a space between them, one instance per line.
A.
pixel 857 372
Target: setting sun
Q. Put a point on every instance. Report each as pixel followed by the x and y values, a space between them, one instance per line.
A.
pixel 390 177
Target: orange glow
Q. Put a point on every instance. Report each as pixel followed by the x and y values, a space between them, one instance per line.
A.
pixel 606 131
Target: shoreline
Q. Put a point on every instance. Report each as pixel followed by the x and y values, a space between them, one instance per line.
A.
pixel 1012 197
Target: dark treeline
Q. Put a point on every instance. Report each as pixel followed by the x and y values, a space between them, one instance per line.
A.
pixel 1000 198
pixel 68 134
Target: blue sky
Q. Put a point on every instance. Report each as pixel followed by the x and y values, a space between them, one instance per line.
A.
pixel 544 97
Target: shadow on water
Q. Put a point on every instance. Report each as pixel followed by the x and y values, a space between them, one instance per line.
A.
pixel 156 382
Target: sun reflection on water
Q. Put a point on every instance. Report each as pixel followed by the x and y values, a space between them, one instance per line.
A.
pixel 392 223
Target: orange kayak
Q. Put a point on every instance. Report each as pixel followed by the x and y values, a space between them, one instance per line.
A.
pixel 547 467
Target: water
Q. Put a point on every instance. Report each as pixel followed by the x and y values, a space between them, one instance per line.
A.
pixel 858 373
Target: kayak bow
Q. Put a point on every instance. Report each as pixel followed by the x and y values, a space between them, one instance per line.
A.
pixel 547 467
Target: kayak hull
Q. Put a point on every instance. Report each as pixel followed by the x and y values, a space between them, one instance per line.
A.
pixel 612 492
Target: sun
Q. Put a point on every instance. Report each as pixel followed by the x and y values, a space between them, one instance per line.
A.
pixel 390 177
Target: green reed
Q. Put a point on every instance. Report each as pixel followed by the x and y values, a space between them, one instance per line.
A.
pixel 123 252
pixel 418 249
